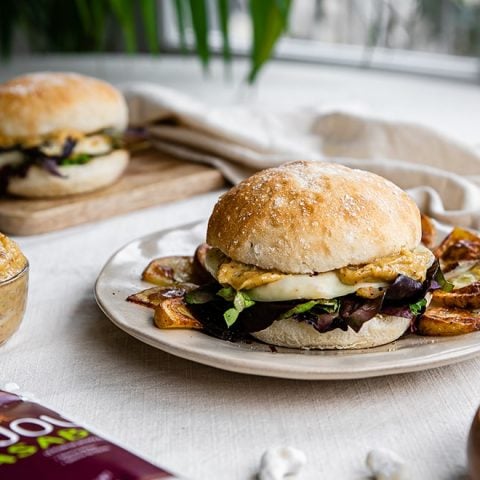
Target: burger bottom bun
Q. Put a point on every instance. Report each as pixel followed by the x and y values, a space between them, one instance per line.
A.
pixel 97 173
pixel 379 330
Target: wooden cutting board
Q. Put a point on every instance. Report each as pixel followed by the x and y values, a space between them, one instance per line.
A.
pixel 150 179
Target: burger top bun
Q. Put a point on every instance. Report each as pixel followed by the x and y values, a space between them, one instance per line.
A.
pixel 306 217
pixel 39 104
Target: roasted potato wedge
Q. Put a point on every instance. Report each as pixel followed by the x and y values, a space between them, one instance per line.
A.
pixel 174 313
pixel 465 297
pixel 153 297
pixel 463 250
pixel 457 244
pixel 429 232
pixel 443 322
pixel 167 271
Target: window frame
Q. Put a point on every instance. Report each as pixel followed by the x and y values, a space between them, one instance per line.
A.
pixel 426 64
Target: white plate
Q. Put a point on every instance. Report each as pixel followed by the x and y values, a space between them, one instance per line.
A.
pixel 121 277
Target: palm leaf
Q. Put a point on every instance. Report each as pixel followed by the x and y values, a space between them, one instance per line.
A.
pixel 180 12
pixel 92 17
pixel 8 19
pixel 223 8
pixel 84 13
pixel 269 21
pixel 149 15
pixel 99 14
pixel 200 29
pixel 124 11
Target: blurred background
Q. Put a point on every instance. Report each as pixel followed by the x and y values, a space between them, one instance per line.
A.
pixel 404 60
pixel 426 37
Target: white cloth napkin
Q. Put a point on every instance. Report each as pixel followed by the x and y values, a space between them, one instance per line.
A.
pixel 440 174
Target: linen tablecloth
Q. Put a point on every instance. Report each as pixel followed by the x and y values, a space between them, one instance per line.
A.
pixel 204 423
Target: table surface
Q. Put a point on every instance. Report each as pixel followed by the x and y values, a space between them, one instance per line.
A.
pixel 206 423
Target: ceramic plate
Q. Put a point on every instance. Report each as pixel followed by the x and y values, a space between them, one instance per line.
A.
pixel 121 277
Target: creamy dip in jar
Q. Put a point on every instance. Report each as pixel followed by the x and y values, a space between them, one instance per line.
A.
pixel 13 287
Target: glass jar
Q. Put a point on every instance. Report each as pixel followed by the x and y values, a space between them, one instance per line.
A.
pixel 13 300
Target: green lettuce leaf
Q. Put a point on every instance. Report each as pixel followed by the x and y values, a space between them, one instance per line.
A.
pixel 231 316
pixel 240 300
pixel 80 159
pixel 227 293
pixel 199 296
pixel 445 285
pixel 417 308
pixel 329 306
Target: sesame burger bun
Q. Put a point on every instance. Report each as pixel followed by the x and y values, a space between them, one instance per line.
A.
pixel 38 104
pixel 97 173
pixel 312 217
pixel 308 217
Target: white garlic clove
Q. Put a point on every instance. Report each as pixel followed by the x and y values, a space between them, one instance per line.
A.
pixel 386 465
pixel 278 462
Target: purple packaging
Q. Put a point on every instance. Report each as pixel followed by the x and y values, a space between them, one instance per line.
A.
pixel 38 443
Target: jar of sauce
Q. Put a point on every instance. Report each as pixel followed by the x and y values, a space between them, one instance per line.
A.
pixel 13 287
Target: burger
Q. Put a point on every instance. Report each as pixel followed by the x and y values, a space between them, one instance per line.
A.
pixel 60 134
pixel 316 256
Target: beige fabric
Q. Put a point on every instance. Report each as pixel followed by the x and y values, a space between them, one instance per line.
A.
pixel 438 172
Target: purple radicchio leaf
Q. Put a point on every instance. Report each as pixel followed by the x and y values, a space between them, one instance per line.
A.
pixel 322 322
pixel 356 311
pixel 262 315
pixel 399 311
pixel 50 165
pixel 12 170
pixel 68 147
pixel 403 288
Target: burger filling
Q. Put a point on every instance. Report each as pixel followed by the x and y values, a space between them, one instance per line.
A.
pixel 244 298
pixel 62 149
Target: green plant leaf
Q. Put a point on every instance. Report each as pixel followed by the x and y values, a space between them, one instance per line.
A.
pixel 284 9
pixel 79 159
pixel 227 293
pixel 223 8
pixel 445 285
pixel 84 14
pixel 181 14
pixel 269 21
pixel 418 307
pixel 98 11
pixel 240 300
pixel 8 19
pixel 231 316
pixel 92 21
pixel 328 305
pixel 124 11
pixel 199 12
pixel 42 24
pixel 150 23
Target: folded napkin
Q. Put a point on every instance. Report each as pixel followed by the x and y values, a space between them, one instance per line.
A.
pixel 439 173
